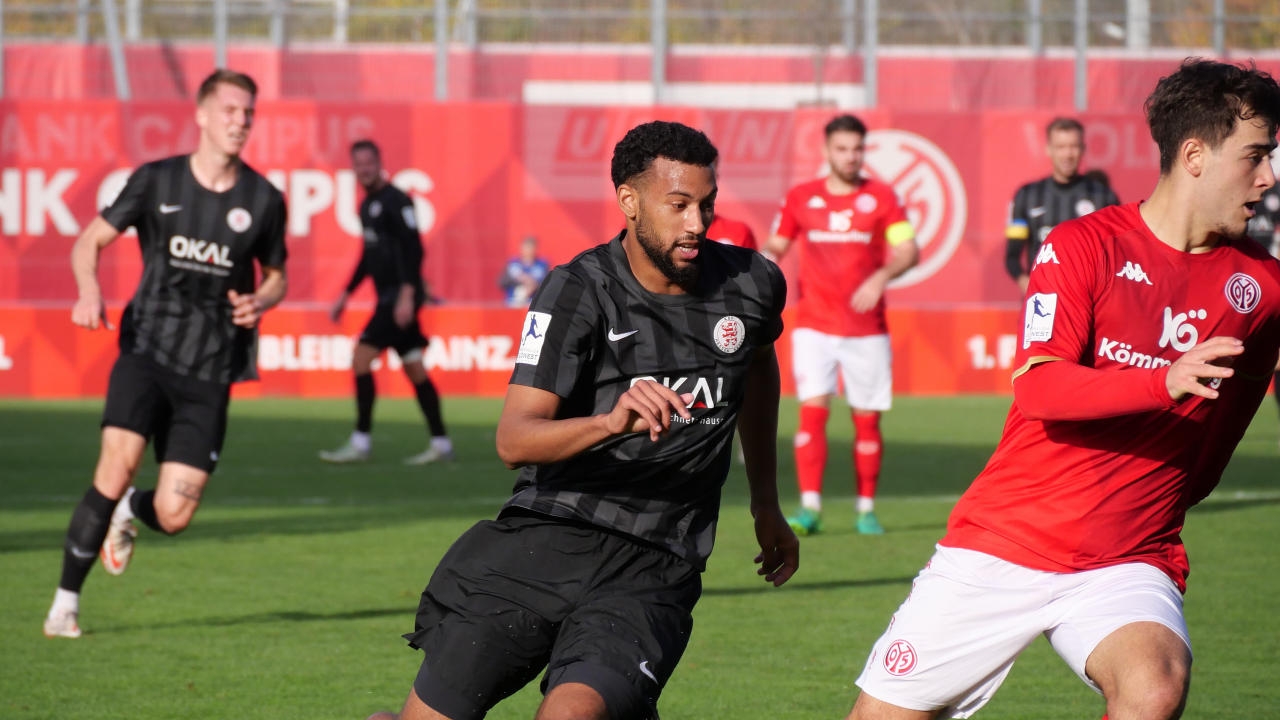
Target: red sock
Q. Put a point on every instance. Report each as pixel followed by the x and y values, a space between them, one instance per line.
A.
pixel 811 447
pixel 867 452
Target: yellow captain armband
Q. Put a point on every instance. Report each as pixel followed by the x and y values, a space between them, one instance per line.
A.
pixel 1017 230
pixel 1032 362
pixel 899 232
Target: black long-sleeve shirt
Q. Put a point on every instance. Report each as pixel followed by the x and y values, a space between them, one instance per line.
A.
pixel 392 247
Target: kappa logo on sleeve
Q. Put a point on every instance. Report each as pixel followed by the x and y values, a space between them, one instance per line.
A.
pixel 1045 256
pixel 532 337
pixel 1037 323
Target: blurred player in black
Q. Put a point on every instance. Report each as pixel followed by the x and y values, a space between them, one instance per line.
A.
pixel 1064 195
pixel 637 361
pixel 188 333
pixel 1264 228
pixel 1265 225
pixel 392 257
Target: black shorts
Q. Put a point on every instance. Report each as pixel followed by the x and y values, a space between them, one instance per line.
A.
pixel 186 418
pixel 382 332
pixel 522 593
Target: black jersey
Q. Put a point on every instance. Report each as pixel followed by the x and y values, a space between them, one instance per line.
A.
pixel 1263 225
pixel 196 245
pixel 591 332
pixel 1040 205
pixel 392 247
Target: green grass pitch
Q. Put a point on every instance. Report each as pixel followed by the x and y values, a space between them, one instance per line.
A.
pixel 287 595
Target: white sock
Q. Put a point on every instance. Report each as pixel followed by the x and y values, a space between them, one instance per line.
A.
pixel 442 443
pixel 361 441
pixel 810 500
pixel 65 600
pixel 866 504
pixel 124 506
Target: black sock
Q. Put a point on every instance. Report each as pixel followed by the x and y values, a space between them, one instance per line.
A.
pixel 143 505
pixel 429 401
pixel 365 394
pixel 88 528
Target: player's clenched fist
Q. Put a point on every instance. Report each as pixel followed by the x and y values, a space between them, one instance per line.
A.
pixel 1202 364
pixel 647 406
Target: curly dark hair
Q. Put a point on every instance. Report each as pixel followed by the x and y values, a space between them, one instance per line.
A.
pixel 635 152
pixel 1203 100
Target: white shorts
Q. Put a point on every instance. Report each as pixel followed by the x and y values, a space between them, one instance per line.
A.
pixel 954 639
pixel 865 367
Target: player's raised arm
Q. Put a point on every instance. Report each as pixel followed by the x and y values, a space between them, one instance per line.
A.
pixel 529 432
pixel 89 310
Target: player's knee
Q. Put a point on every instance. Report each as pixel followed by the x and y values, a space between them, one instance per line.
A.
pixel 574 701
pixel 116 467
pixel 1160 694
pixel 173 520
pixel 416 373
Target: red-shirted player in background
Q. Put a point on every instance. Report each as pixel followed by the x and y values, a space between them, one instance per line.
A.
pixel 854 238
pixel 731 232
pixel 1149 335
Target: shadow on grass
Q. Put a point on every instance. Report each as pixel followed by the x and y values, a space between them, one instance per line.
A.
pixel 407 611
pixel 265 618
pixel 801 586
pixel 327 520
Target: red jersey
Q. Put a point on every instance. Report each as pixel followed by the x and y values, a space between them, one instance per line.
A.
pixel 732 232
pixel 842 241
pixel 1066 496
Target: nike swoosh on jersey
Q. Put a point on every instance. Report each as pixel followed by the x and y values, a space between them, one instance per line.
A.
pixel 644 668
pixel 166 209
pixel 1037 211
pixel 616 336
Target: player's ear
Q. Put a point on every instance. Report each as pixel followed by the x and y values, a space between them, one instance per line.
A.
pixel 629 201
pixel 1191 155
pixel 202 115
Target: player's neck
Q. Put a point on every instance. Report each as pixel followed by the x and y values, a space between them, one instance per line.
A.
pixel 375 187
pixel 1063 179
pixel 837 186
pixel 646 272
pixel 214 170
pixel 1171 218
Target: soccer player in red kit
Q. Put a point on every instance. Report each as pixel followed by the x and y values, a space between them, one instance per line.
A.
pixel 854 238
pixel 1149 334
pixel 731 232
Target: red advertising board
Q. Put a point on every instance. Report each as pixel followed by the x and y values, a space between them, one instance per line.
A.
pixel 483 176
pixel 302 354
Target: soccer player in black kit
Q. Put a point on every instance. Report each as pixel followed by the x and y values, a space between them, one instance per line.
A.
pixel 203 220
pixel 1264 228
pixel 1039 205
pixel 392 257
pixel 637 361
